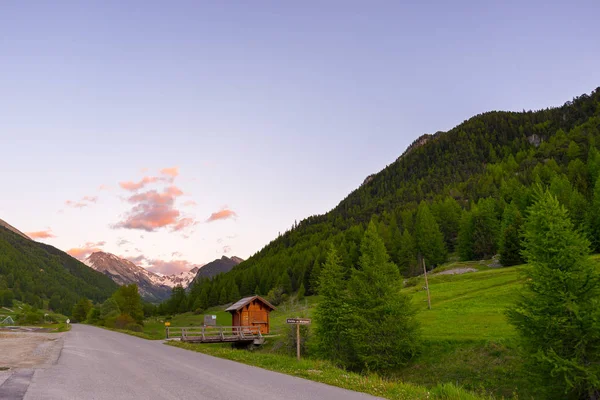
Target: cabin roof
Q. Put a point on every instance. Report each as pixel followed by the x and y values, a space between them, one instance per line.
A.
pixel 247 300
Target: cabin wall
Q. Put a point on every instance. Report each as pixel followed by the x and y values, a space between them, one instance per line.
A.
pixel 254 314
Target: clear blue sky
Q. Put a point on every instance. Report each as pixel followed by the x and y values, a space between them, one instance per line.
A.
pixel 271 111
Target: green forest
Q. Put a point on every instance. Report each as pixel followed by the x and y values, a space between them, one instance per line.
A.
pixel 45 277
pixel 462 192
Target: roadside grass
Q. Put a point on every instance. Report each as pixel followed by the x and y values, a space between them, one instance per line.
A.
pixel 325 372
pixel 154 328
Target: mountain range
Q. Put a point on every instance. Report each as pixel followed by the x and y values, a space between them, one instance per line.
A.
pixel 153 287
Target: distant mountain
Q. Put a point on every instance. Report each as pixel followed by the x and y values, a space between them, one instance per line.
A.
pixel 218 266
pixel 40 274
pixel 123 272
pixel 13 229
pixel 181 279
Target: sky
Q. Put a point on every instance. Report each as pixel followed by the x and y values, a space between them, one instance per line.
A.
pixel 172 133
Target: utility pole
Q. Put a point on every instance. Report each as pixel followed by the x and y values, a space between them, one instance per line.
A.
pixel 298 341
pixel 426 283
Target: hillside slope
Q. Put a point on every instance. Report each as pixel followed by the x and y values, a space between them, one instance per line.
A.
pixel 13 229
pixel 498 156
pixel 35 272
pixel 218 266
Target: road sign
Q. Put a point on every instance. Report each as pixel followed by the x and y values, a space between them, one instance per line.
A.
pixel 298 321
pixel 68 321
pixel 167 323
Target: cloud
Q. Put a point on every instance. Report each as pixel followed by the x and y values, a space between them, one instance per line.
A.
pixel 81 253
pixel 225 213
pixel 190 203
pixel 173 172
pixel 153 210
pixel 133 186
pixel 226 249
pixel 104 187
pixel 84 202
pixel 46 234
pixel 122 242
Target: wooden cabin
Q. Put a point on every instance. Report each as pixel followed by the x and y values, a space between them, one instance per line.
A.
pixel 251 311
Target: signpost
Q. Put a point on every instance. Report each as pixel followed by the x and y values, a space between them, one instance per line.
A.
pixel 167 325
pixel 298 322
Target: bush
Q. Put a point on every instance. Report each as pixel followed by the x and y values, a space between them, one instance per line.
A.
pixel 134 327
pixel 31 318
pixel 123 320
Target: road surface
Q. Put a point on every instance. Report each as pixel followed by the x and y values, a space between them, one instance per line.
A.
pixel 99 364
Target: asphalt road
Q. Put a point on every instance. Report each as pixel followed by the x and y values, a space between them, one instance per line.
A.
pixel 98 364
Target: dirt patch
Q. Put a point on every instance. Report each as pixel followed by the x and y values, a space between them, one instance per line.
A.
pixel 456 271
pixel 29 350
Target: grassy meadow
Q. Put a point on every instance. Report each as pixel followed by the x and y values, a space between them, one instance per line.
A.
pixel 468 342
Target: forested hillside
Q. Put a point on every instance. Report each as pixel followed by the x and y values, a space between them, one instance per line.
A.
pixel 463 191
pixel 42 275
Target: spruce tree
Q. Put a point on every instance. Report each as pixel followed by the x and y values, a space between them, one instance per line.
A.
pixel 383 328
pixel 558 315
pixel 234 294
pixel 331 314
pixel 594 218
pixel 428 237
pixel 510 240
pixel 407 255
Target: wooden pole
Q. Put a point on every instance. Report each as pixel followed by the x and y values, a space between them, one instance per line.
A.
pixel 298 341
pixel 426 283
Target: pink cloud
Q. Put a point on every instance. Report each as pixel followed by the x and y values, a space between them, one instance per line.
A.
pixel 226 249
pixel 173 172
pixel 223 214
pixel 153 210
pixel 84 251
pixel 46 234
pixel 103 187
pixel 133 186
pixel 190 203
pixel 84 202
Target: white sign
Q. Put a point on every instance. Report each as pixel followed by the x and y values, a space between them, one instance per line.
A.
pixel 68 321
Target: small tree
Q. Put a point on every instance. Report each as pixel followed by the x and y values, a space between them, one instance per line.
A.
pixel 301 292
pixel 428 237
pixel 557 317
pixel 383 328
pixel 510 240
pixel 81 309
pixel 331 315
pixel 130 302
pixel 407 255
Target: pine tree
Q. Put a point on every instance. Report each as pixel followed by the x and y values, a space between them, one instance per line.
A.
pixel 234 294
pixel 594 217
pixel 557 317
pixel 428 237
pixel 286 283
pixel 223 297
pixel 331 314
pixel 383 327
pixel 301 292
pixel 510 240
pixel 407 255
pixel 465 236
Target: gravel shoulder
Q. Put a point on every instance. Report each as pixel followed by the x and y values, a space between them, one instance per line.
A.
pixel 28 350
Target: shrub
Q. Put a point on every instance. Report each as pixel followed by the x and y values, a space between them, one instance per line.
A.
pixel 134 327
pixel 123 320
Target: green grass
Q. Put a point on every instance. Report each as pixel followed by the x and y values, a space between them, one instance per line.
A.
pixel 325 372
pixel 154 328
